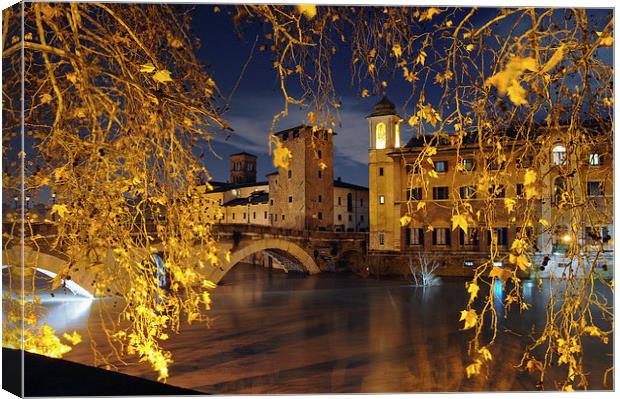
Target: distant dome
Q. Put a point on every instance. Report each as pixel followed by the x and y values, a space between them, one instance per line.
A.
pixel 384 107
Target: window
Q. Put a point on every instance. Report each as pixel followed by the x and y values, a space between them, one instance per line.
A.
pixel 524 162
pixel 497 191
pixel 380 171
pixel 381 239
pixel 519 189
pixel 441 236
pixel 469 263
pixel 441 166
pixel 320 198
pixel 361 202
pixel 350 218
pixel 271 202
pixel 596 159
pixel 253 215
pixel 290 198
pixel 595 189
pixel 290 173
pixel 381 199
pixel 397 136
pixel 361 218
pixel 265 215
pixel 559 188
pixel 494 164
pixel 559 155
pixel 276 217
pixel 440 193
pixel 320 174
pixel 339 200
pixel 233 216
pixel 468 192
pixel 502 236
pixel 350 202
pixel 283 216
pixel 414 236
pixel 415 194
pixel 250 167
pixel 471 238
pixel 339 217
pixel 243 215
pixel 320 216
pixel 319 154
pixel 380 136
pixel 468 164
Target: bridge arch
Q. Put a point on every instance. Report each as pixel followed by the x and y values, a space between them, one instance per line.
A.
pixel 50 265
pixel 282 247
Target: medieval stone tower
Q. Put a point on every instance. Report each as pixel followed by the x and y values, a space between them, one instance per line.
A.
pixel 302 197
pixel 242 168
pixel 384 176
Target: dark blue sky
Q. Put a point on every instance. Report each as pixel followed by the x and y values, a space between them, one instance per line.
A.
pixel 258 97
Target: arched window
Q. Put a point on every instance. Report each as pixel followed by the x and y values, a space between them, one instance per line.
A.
pixel 559 155
pixel 397 136
pixel 380 136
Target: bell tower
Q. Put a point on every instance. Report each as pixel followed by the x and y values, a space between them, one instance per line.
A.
pixel 242 168
pixel 384 176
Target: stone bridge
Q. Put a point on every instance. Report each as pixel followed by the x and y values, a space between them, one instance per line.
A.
pixel 304 251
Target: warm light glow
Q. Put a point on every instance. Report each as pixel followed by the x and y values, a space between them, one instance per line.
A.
pixel 397 135
pixel 566 238
pixel 380 136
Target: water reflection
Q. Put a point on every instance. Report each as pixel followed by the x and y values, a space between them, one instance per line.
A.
pixel 274 332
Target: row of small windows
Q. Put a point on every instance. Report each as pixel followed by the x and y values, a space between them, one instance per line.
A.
pixel 443 236
pixel 237 166
pixel 245 215
pixel 594 189
pixel 559 158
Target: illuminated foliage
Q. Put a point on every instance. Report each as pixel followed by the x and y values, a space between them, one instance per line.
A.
pixel 512 83
pixel 116 107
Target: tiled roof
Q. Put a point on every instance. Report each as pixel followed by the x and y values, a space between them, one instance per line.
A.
pixel 243 153
pixel 340 183
pixel 231 186
pixel 261 197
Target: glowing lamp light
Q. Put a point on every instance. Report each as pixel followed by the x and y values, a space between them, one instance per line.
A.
pixel 566 238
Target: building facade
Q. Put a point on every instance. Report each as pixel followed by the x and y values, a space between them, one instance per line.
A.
pixel 397 189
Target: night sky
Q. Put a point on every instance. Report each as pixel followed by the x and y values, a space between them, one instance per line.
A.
pixel 258 97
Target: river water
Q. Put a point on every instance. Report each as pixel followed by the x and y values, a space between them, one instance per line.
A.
pixel 274 332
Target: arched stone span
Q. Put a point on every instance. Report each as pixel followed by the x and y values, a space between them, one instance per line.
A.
pixel 49 265
pixel 282 247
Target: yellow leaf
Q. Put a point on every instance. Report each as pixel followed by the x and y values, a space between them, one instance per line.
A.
pixel 429 13
pixel 365 93
pixel 281 156
pixel 509 203
pixel 413 120
pixel 421 57
pixel 405 220
pixel 470 317
pixel 433 174
pixel 473 369
pixel 459 221
pixel 397 50
pixel 60 210
pixel 469 47
pixel 162 76
pixel 607 40
pixel 74 337
pixel 472 289
pixel 508 80
pixel 500 273
pixel 147 68
pixel 421 205
pixel 543 222
pixel 530 177
pixel 227 257
pixel 308 10
pixel 486 354
pixel 46 98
